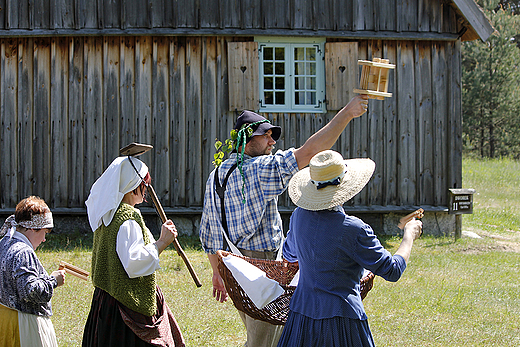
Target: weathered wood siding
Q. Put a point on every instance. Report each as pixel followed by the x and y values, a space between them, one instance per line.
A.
pixel 69 103
pixel 156 16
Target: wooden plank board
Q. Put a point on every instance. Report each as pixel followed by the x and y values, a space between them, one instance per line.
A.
pixel 243 75
pixel 406 134
pixel 178 120
pixel 194 192
pixel 250 14
pixel 440 117
pixel 62 13
pixel 341 73
pixel 210 13
pixel 276 14
pixel 143 93
pixel 78 190
pixel 42 91
pixel 162 13
pixel 42 14
pixel 161 119
pixel 8 133
pixel 358 129
pixel 225 119
pixel 128 132
pixel 209 108
pixel 16 14
pixel 111 97
pixel 407 16
pixel 387 13
pixel 323 12
pixel 95 161
pixel 389 145
pixel 375 117
pixel 59 122
pixel 424 108
pixel 186 14
pixel 25 112
pixel 454 157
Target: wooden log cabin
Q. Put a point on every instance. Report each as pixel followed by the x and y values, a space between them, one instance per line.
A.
pixel 80 79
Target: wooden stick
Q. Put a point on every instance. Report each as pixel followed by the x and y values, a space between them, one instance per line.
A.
pixel 135 149
pixel 73 270
pixel 178 247
pixel 416 214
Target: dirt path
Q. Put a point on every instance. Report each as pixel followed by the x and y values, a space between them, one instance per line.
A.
pixel 506 243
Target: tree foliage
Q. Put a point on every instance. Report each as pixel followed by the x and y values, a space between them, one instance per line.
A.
pixel 491 86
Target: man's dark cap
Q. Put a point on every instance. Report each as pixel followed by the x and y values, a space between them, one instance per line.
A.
pixel 248 117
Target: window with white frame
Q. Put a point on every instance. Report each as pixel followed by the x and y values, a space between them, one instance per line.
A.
pixel 291 75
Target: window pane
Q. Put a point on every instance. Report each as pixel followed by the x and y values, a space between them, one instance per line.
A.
pixel 299 98
pixel 311 98
pixel 268 68
pixel 299 83
pixel 280 98
pixel 299 68
pixel 280 68
pixel 268 83
pixel 268 96
pixel 299 53
pixel 311 69
pixel 311 54
pixel 280 83
pixel 311 83
pixel 268 53
pixel 279 53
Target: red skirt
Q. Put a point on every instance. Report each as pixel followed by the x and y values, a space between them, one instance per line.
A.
pixel 110 323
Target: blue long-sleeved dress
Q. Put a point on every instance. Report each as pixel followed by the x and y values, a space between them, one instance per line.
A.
pixel 332 250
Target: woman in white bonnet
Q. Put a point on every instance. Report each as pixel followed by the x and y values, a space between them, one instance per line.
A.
pixel 26 288
pixel 332 250
pixel 128 308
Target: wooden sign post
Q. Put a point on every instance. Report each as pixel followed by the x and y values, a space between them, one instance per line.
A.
pixel 374 78
pixel 461 202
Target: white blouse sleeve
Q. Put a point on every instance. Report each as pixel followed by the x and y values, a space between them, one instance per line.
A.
pixel 137 258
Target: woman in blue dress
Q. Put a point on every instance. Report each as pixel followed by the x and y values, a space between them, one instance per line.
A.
pixel 333 250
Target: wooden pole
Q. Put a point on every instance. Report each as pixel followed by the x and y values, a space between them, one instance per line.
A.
pixel 178 247
pixel 458 226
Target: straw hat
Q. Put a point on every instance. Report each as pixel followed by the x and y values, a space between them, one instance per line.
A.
pixel 329 181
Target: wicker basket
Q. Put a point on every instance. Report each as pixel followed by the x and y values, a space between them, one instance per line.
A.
pixel 282 271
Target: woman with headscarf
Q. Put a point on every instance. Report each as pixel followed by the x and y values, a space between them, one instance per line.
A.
pixel 332 250
pixel 26 288
pixel 128 308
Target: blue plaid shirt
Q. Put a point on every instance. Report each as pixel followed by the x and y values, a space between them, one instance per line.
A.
pixel 256 224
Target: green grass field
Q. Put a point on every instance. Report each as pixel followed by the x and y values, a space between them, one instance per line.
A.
pixel 463 293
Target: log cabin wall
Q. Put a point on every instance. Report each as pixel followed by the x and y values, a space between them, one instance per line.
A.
pixel 78 82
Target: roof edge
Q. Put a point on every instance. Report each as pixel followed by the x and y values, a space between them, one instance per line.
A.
pixel 476 18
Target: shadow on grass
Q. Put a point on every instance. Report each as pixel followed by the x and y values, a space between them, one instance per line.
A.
pixel 78 240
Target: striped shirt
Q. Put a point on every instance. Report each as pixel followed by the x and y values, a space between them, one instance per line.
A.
pixel 256 224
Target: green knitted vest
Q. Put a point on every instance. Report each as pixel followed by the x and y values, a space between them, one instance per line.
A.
pixel 108 273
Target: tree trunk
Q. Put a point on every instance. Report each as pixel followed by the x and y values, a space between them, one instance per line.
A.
pixel 491 140
pixel 482 142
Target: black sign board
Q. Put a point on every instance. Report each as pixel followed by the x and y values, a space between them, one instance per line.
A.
pixel 461 201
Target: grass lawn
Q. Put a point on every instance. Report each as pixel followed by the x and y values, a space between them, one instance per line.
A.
pixel 463 293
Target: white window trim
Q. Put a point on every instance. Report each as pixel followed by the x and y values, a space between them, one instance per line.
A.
pixel 289 43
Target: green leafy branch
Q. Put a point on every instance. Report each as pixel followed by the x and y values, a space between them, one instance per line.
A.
pixel 226 147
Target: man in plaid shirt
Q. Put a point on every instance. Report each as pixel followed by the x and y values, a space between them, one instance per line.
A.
pixel 251 196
